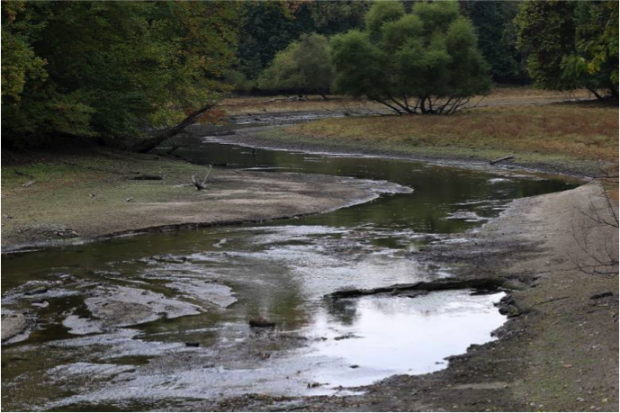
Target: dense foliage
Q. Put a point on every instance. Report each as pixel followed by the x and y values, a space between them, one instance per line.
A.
pixel 303 67
pixel 118 69
pixel 111 69
pixel 269 27
pixel 497 38
pixel 426 61
pixel 571 45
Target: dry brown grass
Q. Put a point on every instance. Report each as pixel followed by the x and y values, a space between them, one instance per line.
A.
pixel 263 104
pixel 497 97
pixel 578 131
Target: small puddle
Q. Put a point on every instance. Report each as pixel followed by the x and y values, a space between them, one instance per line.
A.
pixel 148 319
pixel 375 337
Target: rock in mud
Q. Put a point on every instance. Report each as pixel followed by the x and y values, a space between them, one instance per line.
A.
pixel 13 324
pixel 38 290
pixel 602 295
pixel 509 307
pixel 208 292
pixel 125 306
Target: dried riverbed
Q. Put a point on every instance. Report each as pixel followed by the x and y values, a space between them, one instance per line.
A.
pixel 156 319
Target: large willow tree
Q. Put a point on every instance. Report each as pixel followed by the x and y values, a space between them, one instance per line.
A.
pixel 426 61
pixel 112 69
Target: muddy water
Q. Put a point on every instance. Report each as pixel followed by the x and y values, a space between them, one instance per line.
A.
pixel 155 320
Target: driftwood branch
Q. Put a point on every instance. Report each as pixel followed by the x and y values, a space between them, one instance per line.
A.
pixel 505 158
pixel 200 185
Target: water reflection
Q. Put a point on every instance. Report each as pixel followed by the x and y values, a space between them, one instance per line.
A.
pixel 380 336
pixel 279 271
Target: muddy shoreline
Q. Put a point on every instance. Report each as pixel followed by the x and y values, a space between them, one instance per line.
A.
pixel 557 352
pixel 106 204
pixel 256 137
pixel 531 247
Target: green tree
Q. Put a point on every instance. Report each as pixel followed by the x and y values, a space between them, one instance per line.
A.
pixel 112 69
pixel 607 48
pixel 497 38
pixel 381 13
pixel 269 27
pixel 426 61
pixel 266 29
pixel 333 17
pixel 571 45
pixel 304 66
pixel 21 62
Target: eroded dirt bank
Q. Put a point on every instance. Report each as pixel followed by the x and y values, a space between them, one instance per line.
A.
pixel 559 349
pixel 76 197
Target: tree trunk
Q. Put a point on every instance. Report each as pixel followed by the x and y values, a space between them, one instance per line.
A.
pixel 595 93
pixel 614 92
pixel 149 144
pixel 395 109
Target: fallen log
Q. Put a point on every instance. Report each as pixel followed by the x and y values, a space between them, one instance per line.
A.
pixel 484 284
pixel 146 178
pixel 498 160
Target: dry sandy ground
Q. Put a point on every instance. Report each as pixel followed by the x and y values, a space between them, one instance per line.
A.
pixel 559 349
pixel 95 197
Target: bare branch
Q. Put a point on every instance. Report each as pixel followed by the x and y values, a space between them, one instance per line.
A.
pixel 200 185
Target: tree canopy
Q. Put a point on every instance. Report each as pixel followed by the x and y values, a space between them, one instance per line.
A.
pixel 571 45
pixel 497 38
pixel 120 69
pixel 303 67
pixel 426 61
pixel 270 27
pixel 111 69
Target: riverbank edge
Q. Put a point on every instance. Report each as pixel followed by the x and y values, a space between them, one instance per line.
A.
pixel 452 385
pixel 558 350
pixel 533 264
pixel 276 138
pixel 99 198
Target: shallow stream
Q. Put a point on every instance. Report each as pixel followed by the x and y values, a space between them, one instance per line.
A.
pixel 95 346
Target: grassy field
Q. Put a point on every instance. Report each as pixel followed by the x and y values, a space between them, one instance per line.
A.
pixel 537 133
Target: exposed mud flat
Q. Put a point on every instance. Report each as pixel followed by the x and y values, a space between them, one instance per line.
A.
pixel 43 216
pixel 559 351
pixel 161 321
pixel 14 325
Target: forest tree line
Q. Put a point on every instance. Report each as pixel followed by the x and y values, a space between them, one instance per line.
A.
pixel 117 69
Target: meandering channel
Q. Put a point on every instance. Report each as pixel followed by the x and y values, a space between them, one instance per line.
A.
pixel 92 344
